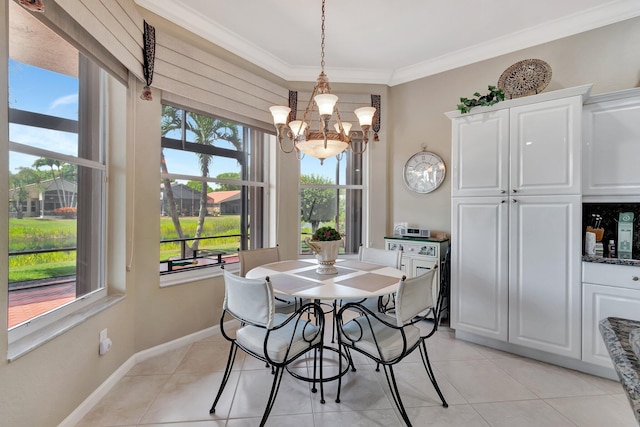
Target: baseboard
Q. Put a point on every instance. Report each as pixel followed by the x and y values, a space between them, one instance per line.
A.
pixel 565 362
pixel 102 390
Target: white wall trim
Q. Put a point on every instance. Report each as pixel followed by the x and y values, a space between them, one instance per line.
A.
pixel 102 390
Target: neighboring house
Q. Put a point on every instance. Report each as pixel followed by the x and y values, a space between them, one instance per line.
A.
pixel 187 200
pixel 227 201
pixel 45 197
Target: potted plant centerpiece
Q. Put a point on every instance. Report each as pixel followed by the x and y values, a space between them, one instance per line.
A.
pixel 325 243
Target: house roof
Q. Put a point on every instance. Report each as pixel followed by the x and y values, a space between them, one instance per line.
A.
pixel 224 196
pixel 48 185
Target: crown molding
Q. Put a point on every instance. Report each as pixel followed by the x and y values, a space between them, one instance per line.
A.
pixel 191 20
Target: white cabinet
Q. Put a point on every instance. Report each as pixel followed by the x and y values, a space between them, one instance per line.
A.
pixel 479 266
pixel 544 273
pixel 516 222
pixel 531 149
pixel 608 291
pixel 515 270
pixel 545 147
pixel 480 154
pixel 419 255
pixel 611 144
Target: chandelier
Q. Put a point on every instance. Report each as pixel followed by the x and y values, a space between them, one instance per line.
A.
pixel 320 142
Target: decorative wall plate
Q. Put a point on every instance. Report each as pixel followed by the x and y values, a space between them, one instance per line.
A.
pixel 524 78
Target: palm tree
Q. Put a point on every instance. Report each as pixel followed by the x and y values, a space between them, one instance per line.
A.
pixel 171 120
pixel 206 131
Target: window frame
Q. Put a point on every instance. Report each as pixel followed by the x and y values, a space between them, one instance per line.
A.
pixel 93 79
pixel 260 165
pixel 354 236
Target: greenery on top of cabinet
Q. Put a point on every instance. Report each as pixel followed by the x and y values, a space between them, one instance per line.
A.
pixel 494 96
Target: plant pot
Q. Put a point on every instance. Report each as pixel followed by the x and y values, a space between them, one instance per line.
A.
pixel 326 253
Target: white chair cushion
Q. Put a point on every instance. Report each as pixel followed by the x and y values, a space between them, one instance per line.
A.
pixel 252 338
pixel 360 334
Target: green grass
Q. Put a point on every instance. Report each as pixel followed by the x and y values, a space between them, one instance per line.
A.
pixel 42 271
pixel 51 233
pixel 35 233
pixel 213 226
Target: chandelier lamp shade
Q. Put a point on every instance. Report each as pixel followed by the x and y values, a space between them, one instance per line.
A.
pixel 312 135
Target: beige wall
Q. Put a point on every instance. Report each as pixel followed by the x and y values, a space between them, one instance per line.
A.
pixel 607 57
pixel 43 387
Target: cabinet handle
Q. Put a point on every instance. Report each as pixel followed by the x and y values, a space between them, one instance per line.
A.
pixel 502 201
pixel 514 190
pixel 635 278
pixel 514 201
pixel 502 191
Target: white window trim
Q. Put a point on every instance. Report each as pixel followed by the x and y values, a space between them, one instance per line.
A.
pixel 196 275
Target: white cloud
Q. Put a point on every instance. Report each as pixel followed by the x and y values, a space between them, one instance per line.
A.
pixel 64 100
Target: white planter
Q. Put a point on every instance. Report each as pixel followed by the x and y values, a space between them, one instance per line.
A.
pixel 326 254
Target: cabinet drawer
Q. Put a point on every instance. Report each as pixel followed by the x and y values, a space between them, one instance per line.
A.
pixel 418 248
pixel 623 276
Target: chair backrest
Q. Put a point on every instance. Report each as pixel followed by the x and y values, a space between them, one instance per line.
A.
pixel 249 299
pixel 256 257
pixel 380 256
pixel 414 296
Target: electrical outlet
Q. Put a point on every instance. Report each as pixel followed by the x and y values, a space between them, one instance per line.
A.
pixel 103 335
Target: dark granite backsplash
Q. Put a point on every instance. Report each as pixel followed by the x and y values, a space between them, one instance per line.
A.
pixel 610 213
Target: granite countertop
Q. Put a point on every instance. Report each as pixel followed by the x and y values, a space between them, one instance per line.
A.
pixel 615 332
pixel 614 261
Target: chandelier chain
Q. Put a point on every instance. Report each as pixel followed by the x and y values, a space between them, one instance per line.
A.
pixel 322 40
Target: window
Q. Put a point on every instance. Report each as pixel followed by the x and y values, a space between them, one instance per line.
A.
pixel 212 190
pixel 331 194
pixel 57 169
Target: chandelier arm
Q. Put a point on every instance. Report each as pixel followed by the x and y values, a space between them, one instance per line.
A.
pixel 281 140
pixel 310 105
pixel 354 151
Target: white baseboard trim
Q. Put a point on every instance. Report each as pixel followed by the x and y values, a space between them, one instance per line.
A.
pixel 565 362
pixel 102 390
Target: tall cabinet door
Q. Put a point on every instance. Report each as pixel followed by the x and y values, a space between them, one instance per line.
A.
pixel 480 154
pixel 479 266
pixel 544 273
pixel 545 147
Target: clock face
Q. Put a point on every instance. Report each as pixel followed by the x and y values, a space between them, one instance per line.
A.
pixel 424 172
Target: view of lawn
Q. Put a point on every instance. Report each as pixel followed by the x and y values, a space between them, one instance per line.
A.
pixel 213 226
pixel 28 234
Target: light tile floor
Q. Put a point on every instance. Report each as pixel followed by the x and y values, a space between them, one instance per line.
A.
pixel 484 387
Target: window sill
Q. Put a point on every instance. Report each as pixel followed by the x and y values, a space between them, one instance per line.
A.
pixel 34 340
pixel 195 275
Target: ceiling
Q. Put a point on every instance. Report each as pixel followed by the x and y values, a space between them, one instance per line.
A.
pixel 383 41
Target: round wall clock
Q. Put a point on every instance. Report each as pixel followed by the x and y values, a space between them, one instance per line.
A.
pixel 424 172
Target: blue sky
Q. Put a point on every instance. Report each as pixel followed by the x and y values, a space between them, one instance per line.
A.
pixel 34 89
pixel 46 92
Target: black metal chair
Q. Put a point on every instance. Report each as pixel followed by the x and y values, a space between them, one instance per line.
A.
pixel 274 338
pixel 388 339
